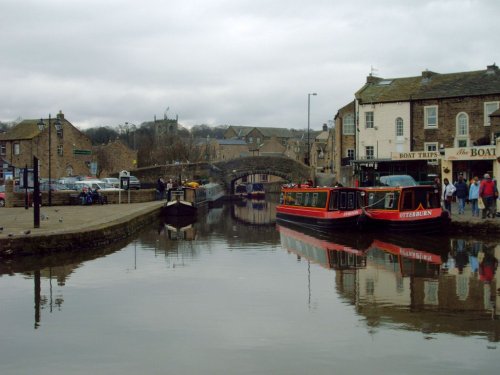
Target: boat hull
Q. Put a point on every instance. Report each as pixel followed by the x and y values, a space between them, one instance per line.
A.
pixel 322 224
pixel 431 225
pixel 179 208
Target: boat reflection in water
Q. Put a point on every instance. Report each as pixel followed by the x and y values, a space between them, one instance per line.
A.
pixel 254 211
pixel 433 285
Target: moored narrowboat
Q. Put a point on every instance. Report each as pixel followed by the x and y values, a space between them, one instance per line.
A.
pixel 320 208
pixel 185 202
pixel 405 209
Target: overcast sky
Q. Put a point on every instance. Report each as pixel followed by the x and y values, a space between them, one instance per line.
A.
pixel 236 62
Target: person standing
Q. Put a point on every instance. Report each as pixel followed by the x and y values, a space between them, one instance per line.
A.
pixel 487 190
pixel 474 196
pixel 161 188
pixel 461 193
pixel 448 190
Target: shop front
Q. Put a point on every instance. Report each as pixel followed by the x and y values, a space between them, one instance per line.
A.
pixel 470 162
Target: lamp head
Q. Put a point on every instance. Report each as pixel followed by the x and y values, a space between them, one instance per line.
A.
pixel 58 124
pixel 41 125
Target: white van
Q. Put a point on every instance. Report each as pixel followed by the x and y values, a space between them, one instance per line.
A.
pixel 95 184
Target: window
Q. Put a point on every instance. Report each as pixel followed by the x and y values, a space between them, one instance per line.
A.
pixel 462 129
pixel 350 153
pixel 298 199
pixel 489 108
pixel 399 127
pixel 462 125
pixel 348 128
pixel 3 148
pixel 314 202
pixel 431 116
pixel 369 120
pixel 431 146
pixel 17 148
pixel 60 150
pixel 369 152
pixel 333 201
pixel 60 132
pixel 264 177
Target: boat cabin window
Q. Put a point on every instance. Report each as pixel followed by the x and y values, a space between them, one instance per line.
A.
pixel 298 199
pixel 407 202
pixel 343 200
pixel 420 198
pixel 334 197
pixel 307 199
pixel 383 200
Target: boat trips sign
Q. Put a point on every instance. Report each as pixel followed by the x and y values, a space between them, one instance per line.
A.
pixel 415 155
pixel 460 153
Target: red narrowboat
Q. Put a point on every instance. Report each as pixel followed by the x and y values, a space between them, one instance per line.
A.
pixel 405 208
pixel 320 208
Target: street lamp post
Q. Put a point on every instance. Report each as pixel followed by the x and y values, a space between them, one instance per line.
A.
pixel 58 126
pixel 308 126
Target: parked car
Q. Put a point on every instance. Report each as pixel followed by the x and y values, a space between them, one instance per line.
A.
pixel 134 183
pixel 113 181
pixel 2 195
pixel 94 184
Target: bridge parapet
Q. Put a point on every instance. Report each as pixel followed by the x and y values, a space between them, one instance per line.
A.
pixel 227 172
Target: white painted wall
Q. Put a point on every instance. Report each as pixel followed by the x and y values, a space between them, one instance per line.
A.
pixel 383 136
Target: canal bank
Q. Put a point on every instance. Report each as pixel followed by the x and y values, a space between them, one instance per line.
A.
pixel 72 228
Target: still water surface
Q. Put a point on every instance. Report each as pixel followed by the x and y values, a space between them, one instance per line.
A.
pixel 236 294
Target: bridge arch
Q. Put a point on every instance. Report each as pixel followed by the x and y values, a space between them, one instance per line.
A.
pixel 286 168
pixel 227 172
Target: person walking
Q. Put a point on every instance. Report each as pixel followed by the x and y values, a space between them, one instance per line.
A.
pixel 487 191
pixel 461 193
pixel 474 196
pixel 448 191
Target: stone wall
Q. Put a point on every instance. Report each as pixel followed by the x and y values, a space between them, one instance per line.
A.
pixel 62 198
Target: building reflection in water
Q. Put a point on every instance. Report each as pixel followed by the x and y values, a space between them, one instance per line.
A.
pixel 433 285
pixel 255 211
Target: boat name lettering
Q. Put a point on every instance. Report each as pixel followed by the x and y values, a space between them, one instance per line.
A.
pixel 415 255
pixel 415 214
pixel 351 213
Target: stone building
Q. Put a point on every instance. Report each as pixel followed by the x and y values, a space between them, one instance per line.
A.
pixel 113 158
pixel 345 143
pixel 428 124
pixel 70 149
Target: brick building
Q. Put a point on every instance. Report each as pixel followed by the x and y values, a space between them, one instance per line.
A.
pixel 429 124
pixel 70 149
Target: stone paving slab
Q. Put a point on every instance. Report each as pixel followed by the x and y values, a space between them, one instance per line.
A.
pixel 69 219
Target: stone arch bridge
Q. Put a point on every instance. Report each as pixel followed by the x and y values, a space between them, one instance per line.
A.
pixel 227 172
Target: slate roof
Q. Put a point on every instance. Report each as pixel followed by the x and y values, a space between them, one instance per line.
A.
pixel 26 129
pixel 431 85
pixel 243 131
pixel 231 142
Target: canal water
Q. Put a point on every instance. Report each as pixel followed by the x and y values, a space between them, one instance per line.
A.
pixel 234 293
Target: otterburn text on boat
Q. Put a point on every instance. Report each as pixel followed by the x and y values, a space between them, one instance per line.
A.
pixel 320 208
